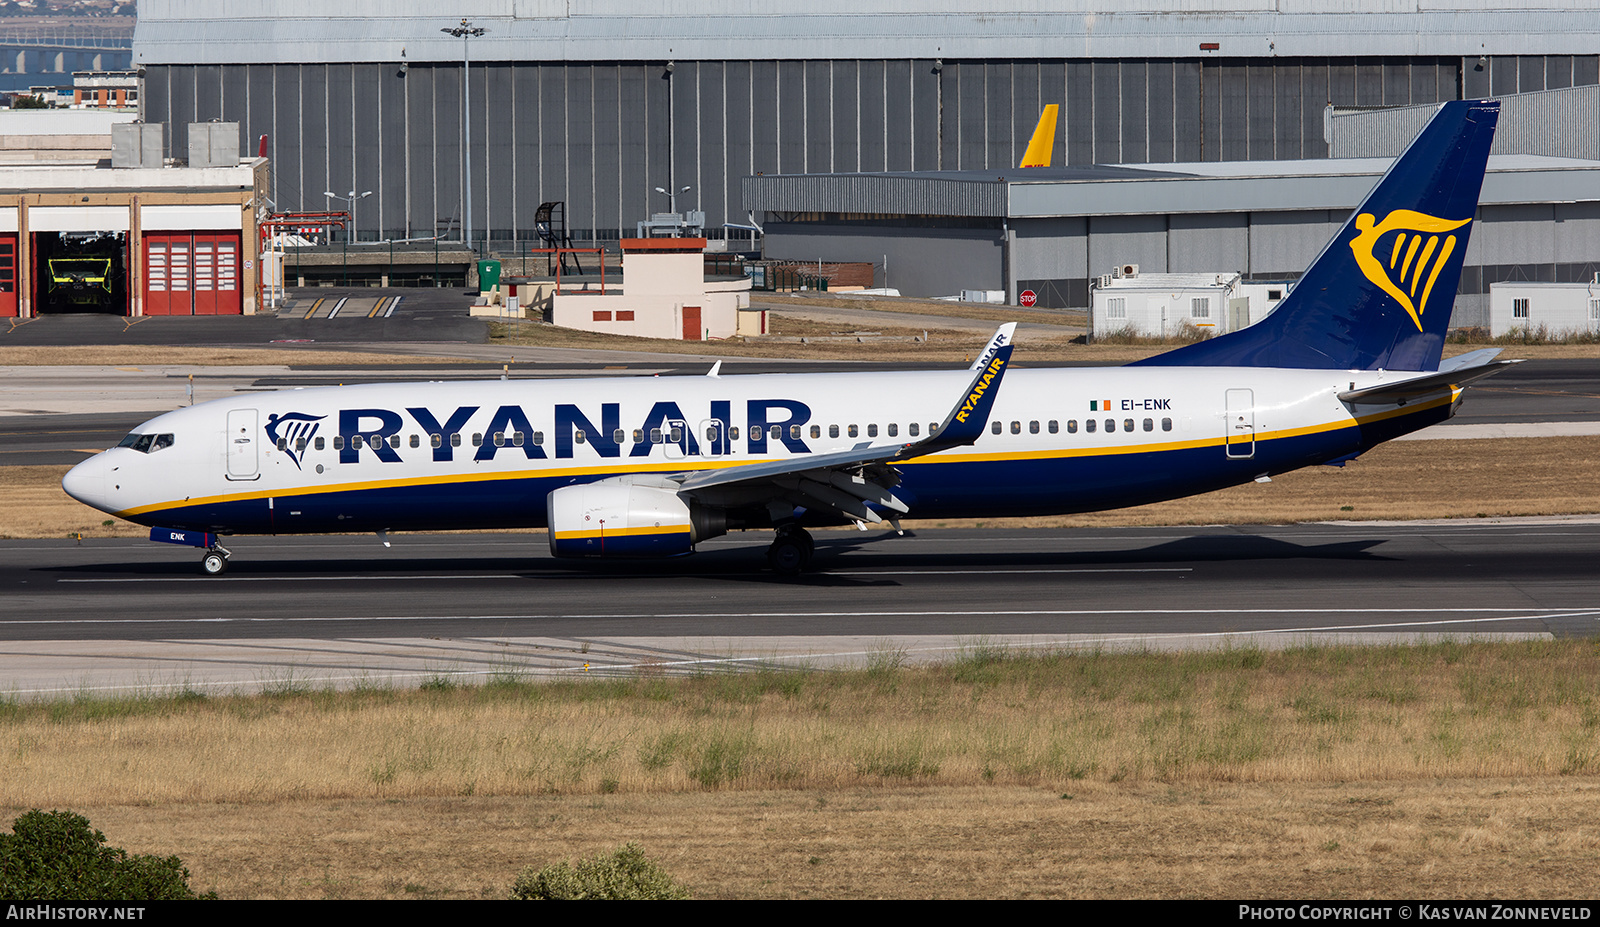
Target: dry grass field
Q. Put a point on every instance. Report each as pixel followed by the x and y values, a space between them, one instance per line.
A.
pixel 108 355
pixel 1445 770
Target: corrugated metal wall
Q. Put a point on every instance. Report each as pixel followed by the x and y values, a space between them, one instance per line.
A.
pixel 601 136
pixel 1558 123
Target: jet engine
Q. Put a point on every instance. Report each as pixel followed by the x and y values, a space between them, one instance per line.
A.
pixel 621 518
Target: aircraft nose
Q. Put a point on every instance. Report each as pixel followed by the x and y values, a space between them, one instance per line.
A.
pixel 87 482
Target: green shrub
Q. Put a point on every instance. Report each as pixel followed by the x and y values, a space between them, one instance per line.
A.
pixel 625 875
pixel 57 856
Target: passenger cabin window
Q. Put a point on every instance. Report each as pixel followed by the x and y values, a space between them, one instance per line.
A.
pixel 1055 426
pixel 1088 425
pixel 283 444
pixel 912 429
pixel 416 441
pixel 872 430
pixel 833 431
pixel 816 431
pixel 319 443
pixel 1127 424
pixel 894 430
pixel 1033 427
pixel 338 442
pixel 854 431
pixel 996 426
pixel 655 436
pixel 477 439
pixel 1166 424
pixel 435 440
pixel 1149 425
pixel 1016 428
pixel 1072 426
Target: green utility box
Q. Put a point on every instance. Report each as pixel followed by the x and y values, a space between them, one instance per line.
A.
pixel 488 276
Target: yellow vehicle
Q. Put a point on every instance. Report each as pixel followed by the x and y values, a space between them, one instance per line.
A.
pixel 81 282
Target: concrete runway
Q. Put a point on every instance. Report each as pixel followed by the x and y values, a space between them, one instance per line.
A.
pixel 344 610
pixel 115 614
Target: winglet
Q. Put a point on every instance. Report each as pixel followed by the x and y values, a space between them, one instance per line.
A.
pixel 716 370
pixel 1044 139
pixel 1004 335
pixel 967 420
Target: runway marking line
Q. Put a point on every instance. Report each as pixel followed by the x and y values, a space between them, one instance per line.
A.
pixel 1538 615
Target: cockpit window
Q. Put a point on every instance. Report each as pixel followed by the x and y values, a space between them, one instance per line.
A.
pixel 145 444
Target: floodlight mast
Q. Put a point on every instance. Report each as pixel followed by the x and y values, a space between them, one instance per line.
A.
pixel 464 32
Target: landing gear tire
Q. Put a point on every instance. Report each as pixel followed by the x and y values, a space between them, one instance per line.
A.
pixel 214 563
pixel 790 552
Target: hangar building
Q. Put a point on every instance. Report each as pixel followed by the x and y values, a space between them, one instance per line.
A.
pixel 595 103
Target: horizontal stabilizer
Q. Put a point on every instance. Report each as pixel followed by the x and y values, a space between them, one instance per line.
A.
pixel 1417 387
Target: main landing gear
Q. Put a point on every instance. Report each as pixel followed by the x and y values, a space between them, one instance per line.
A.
pixel 790 552
pixel 215 562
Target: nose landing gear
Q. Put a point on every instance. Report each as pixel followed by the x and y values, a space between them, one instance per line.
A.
pixel 215 562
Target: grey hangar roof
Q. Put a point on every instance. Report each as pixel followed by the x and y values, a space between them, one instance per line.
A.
pixel 296 31
pixel 1207 187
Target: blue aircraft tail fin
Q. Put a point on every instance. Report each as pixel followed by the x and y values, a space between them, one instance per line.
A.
pixel 1380 293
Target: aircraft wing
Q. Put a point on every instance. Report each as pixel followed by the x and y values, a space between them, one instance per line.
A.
pixel 845 481
pixel 1456 371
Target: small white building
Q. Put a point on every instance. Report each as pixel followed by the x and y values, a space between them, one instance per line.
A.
pixel 664 294
pixel 1164 305
pixel 1558 308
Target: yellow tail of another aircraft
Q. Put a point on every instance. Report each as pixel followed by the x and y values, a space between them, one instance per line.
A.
pixel 1044 139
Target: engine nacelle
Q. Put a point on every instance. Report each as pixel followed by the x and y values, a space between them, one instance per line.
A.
pixel 613 518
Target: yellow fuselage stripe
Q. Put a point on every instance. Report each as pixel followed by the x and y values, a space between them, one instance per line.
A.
pixel 682 466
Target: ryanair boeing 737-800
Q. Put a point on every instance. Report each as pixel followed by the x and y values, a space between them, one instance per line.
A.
pixel 631 467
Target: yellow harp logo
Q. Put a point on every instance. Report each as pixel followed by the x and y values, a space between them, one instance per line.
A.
pixel 1416 257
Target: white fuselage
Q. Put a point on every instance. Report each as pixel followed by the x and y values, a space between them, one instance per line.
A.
pixel 487 453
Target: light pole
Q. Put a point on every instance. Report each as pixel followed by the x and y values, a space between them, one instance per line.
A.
pixel 351 199
pixel 672 199
pixel 464 32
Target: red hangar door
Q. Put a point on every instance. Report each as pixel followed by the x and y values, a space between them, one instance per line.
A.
pixel 192 273
pixel 8 276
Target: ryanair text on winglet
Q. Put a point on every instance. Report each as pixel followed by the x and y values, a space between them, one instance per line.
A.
pixel 978 390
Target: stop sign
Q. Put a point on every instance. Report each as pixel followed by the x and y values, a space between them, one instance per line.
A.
pixel 1028 298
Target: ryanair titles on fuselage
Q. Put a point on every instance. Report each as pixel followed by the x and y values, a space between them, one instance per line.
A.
pixel 766 419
